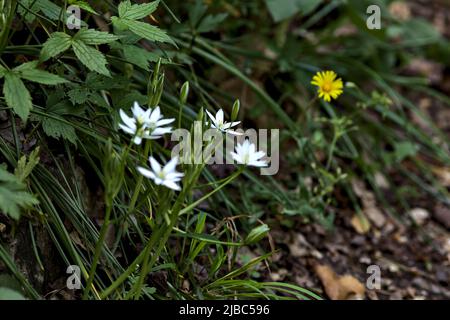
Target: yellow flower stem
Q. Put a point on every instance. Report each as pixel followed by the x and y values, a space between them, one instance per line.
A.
pixel 331 151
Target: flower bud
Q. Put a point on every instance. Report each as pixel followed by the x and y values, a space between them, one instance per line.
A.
pixel 235 110
pixel 184 92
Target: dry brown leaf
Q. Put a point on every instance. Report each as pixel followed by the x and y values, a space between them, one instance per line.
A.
pixel 360 224
pixel 443 175
pixel 339 287
pixel 376 216
pixel 400 10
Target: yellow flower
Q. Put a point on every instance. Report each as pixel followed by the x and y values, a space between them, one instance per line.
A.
pixel 329 86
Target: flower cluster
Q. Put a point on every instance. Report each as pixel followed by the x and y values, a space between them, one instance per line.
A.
pixel 246 153
pixel 144 124
pixel 150 124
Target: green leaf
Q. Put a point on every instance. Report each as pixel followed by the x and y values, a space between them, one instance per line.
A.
pixel 124 6
pixel 17 96
pixel 78 95
pixel 146 31
pixel 91 36
pixel 41 76
pixel 93 59
pixel 59 129
pixel 5 176
pixel 137 11
pixel 9 294
pixel 83 5
pixel 29 8
pixel 139 56
pixel 57 43
pixel 26 164
pixel 50 9
pixel 2 72
pixel 281 10
pixel 125 100
pixel 13 195
pixel 257 234
pixel 26 66
pixel 211 22
pixel 403 150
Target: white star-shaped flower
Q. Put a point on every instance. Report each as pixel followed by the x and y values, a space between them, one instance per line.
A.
pixel 144 124
pixel 167 175
pixel 246 154
pixel 218 123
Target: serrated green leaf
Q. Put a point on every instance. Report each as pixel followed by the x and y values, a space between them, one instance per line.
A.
pixel 78 95
pixel 147 31
pixel 26 164
pixel 138 11
pixel 91 36
pixel 29 8
pixel 6 176
pixel 139 56
pixel 97 99
pixel 57 43
pixel 123 7
pixel 17 95
pixel 83 5
pixel 26 66
pixel 13 195
pixel 58 129
pixel 41 76
pixel 92 58
pixel 50 9
pixel 12 200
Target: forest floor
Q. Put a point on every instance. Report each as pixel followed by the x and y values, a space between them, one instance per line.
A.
pixel 412 250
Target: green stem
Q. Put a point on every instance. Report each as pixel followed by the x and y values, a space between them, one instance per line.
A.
pixel 98 248
pixel 138 186
pixel 331 151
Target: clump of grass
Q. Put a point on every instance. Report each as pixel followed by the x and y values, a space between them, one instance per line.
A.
pixel 63 91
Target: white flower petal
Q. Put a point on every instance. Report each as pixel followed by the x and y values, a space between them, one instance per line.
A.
pixel 137 110
pixel 171 165
pixel 161 131
pixel 234 133
pixel 127 129
pixel 236 157
pixel 156 167
pixel 258 163
pixel 146 173
pixel 219 116
pixel 172 185
pixel 213 119
pixel 130 122
pixel 156 115
pixel 174 176
pixel 164 122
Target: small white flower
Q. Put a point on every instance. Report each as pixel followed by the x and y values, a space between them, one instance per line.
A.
pixel 246 154
pixel 167 176
pixel 145 124
pixel 218 123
